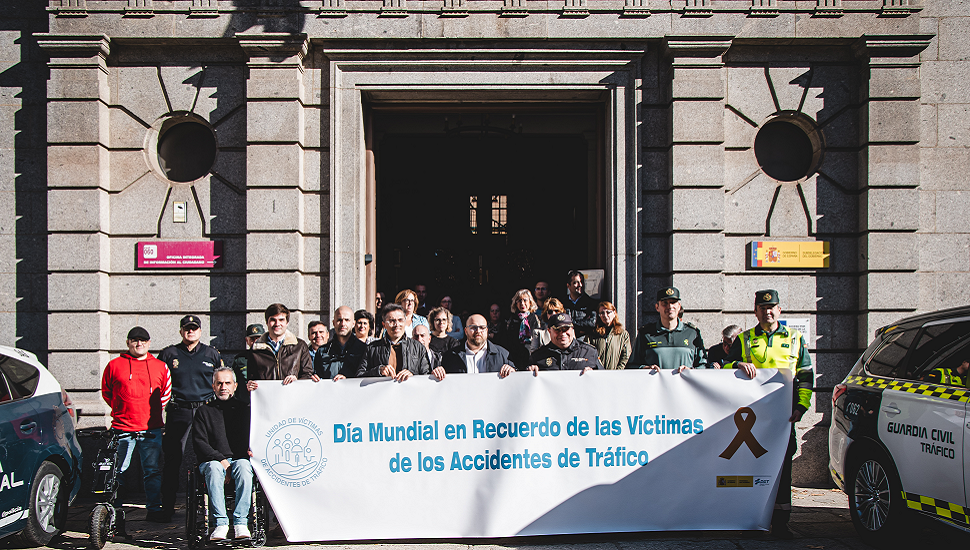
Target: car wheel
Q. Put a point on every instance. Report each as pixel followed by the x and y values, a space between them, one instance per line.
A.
pixel 48 506
pixel 875 498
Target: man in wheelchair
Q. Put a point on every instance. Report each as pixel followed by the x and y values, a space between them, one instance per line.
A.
pixel 221 441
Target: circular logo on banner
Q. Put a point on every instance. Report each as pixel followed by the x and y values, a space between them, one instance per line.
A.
pixel 294 453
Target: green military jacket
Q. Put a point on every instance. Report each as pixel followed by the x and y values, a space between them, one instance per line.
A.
pixel 668 349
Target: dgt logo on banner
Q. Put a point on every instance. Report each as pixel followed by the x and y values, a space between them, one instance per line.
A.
pixel 294 454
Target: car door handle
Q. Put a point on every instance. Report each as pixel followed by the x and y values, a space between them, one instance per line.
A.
pixel 28 427
pixel 891 409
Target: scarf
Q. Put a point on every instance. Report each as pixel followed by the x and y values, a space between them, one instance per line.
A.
pixel 525 332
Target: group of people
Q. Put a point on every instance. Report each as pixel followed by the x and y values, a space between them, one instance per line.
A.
pixel 198 390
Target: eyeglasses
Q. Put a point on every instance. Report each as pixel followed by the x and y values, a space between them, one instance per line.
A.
pixel 477 328
pixel 408 300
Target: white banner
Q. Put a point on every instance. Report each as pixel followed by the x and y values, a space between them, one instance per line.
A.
pixel 480 456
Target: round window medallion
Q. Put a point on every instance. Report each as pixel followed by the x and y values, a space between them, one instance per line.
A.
pixel 181 147
pixel 788 147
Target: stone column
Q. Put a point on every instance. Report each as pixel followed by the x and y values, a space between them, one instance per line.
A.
pixel 696 197
pixel 283 223
pixel 889 205
pixel 78 221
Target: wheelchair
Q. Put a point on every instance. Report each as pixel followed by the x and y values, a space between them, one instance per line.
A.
pixel 199 522
pixel 106 520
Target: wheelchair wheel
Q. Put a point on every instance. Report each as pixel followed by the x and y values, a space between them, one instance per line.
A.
pixel 196 512
pixel 100 529
pixel 258 517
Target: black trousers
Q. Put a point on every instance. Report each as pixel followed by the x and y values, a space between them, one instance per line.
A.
pixel 782 512
pixel 178 431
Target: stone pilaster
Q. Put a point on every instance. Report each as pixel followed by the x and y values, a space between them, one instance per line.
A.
pixel 695 196
pixel 889 204
pixel 78 221
pixel 283 221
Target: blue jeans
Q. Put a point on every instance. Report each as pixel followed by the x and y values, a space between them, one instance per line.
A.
pixel 150 454
pixel 215 478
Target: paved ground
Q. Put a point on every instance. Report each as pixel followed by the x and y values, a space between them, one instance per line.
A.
pixel 820 521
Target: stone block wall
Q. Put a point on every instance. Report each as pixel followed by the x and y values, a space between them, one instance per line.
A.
pixel 942 240
pixel 886 92
pixel 23 179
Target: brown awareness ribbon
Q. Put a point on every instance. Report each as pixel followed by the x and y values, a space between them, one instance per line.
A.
pixel 744 424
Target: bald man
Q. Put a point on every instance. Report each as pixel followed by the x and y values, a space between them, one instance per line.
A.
pixel 340 358
pixel 476 354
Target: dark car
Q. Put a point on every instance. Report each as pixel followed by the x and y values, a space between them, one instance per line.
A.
pixel 898 444
pixel 40 460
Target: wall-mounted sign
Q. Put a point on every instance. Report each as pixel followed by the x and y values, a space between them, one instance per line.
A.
pixel 788 254
pixel 594 282
pixel 179 254
pixel 803 325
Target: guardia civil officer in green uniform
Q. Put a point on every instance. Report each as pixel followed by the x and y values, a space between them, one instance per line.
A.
pixel 669 343
pixel 771 345
pixel 240 365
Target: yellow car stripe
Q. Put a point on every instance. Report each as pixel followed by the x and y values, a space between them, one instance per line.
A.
pixel 939 508
pixel 923 388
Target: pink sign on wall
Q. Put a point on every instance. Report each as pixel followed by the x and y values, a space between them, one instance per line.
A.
pixel 179 254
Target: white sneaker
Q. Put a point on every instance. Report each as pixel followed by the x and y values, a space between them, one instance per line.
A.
pixel 220 533
pixel 241 532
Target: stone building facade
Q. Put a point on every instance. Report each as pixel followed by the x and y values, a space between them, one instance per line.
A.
pixel 264 119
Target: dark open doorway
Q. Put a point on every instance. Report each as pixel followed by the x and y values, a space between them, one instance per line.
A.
pixel 480 210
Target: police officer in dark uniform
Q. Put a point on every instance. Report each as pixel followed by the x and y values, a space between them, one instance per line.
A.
pixel 669 343
pixel 564 351
pixel 191 363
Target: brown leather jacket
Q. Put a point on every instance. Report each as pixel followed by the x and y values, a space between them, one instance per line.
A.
pixel 293 358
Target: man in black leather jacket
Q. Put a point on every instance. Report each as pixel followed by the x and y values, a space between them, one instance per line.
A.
pixel 395 354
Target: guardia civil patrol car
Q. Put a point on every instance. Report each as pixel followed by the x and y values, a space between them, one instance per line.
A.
pixel 898 442
pixel 40 460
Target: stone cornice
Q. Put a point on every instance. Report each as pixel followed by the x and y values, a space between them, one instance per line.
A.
pixel 274 48
pixel 892 46
pixel 75 50
pixel 705 47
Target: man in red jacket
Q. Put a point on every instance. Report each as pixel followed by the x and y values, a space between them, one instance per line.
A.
pixel 137 386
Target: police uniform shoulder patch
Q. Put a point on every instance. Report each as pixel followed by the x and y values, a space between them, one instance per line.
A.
pixel 175 363
pixel 549 361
